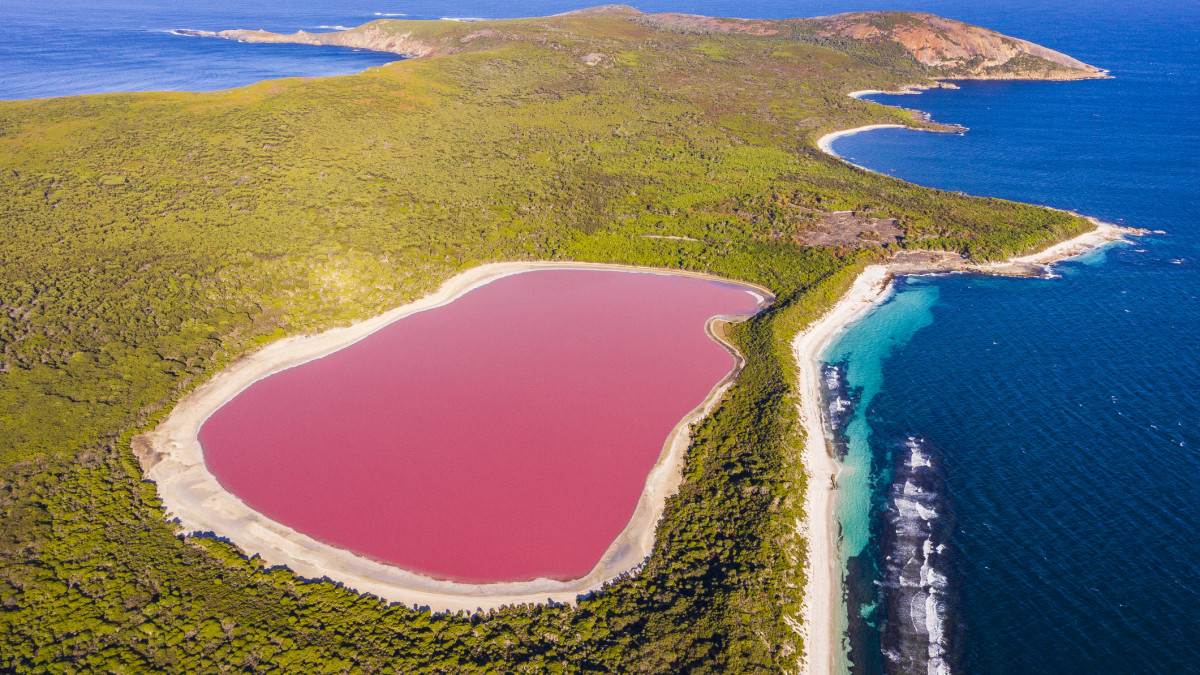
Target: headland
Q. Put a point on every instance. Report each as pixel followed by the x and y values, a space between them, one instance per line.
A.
pixel 873 285
pixel 230 218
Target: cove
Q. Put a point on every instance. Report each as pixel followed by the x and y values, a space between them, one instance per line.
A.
pixel 504 436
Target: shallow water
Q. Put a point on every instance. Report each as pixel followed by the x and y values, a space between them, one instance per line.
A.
pixel 505 436
pixel 1063 411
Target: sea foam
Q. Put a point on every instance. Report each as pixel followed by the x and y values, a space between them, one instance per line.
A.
pixel 918 633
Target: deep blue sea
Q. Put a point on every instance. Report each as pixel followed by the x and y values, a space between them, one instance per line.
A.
pixel 1023 456
pixel 1043 436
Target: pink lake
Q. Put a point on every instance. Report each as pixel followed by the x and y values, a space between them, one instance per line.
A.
pixel 504 436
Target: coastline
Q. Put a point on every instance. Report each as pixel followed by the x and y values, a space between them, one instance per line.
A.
pixel 1105 233
pixel 825 143
pixel 1032 264
pixel 906 89
pixel 172 458
pixel 823 592
pixel 821 607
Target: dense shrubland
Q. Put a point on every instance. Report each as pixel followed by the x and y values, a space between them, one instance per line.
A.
pixel 152 238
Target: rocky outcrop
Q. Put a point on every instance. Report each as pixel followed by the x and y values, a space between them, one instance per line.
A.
pixel 948 49
pixel 955 48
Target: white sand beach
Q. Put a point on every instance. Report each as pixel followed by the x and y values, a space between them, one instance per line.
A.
pixel 905 90
pixel 1105 233
pixel 825 143
pixel 823 594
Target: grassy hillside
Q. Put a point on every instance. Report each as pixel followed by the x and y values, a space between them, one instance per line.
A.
pixel 152 238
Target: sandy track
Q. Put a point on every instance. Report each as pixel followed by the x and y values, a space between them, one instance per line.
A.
pixel 171 456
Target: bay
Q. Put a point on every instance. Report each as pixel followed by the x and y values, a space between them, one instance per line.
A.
pixel 1063 411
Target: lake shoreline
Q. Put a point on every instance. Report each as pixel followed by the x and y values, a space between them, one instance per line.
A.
pixel 171 456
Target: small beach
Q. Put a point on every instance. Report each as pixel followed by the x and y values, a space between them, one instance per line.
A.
pixel 825 143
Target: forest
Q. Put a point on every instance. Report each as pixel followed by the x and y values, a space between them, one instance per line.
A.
pixel 151 239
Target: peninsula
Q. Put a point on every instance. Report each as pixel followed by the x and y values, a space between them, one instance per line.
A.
pixel 950 49
pixel 155 240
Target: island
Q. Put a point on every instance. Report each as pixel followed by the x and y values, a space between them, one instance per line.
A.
pixel 155 240
pixel 509 439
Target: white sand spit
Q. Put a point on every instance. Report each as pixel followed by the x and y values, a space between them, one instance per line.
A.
pixel 822 596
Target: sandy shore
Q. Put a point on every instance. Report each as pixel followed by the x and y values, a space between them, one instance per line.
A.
pixel 1104 233
pixel 823 595
pixel 907 89
pixel 825 143
pixel 171 456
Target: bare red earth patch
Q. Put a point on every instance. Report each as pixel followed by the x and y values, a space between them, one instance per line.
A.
pixel 505 436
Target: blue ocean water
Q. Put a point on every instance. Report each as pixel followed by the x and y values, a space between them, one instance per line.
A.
pixel 84 47
pixel 60 49
pixel 1051 424
pixel 1063 413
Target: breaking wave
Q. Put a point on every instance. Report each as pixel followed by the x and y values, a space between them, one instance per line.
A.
pixel 839 406
pixel 920 625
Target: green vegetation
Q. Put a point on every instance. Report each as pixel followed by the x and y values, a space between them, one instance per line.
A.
pixel 152 238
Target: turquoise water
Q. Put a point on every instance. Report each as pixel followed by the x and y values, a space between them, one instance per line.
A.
pixel 853 377
pixel 860 355
pixel 1061 415
pixel 1051 425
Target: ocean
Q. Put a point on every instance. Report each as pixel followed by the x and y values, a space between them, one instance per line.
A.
pixel 1022 453
pixel 1059 417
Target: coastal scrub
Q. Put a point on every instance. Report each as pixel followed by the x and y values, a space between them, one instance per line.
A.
pixel 153 239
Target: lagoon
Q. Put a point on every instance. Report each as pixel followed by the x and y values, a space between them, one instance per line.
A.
pixel 504 436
